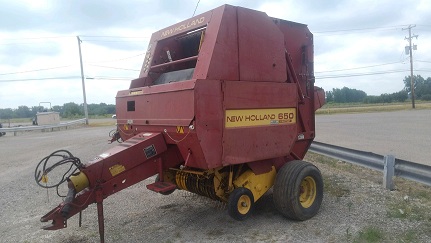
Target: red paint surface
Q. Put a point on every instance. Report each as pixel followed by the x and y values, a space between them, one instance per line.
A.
pixel 241 64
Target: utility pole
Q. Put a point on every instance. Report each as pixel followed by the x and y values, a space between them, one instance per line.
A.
pixel 412 87
pixel 83 82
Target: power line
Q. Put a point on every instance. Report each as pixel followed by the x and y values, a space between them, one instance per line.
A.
pixel 88 40
pixel 113 78
pixel 339 70
pixel 39 38
pixel 197 4
pixel 424 25
pixel 422 70
pixel 113 36
pixel 67 77
pixel 70 36
pixel 115 60
pixel 127 69
pixel 36 79
pixel 28 43
pixel 359 74
pixel 35 70
pixel 360 29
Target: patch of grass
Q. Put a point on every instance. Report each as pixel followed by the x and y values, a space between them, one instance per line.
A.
pixel 366 173
pixel 409 236
pixel 414 189
pixel 310 156
pixel 348 235
pixel 334 186
pixel 334 163
pixel 178 234
pixel 102 123
pixel 421 194
pixel 100 116
pixel 370 234
pixel 15 120
pixel 407 210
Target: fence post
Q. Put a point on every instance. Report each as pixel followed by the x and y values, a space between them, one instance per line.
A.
pixel 389 172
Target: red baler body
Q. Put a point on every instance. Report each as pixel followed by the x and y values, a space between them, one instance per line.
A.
pixel 240 62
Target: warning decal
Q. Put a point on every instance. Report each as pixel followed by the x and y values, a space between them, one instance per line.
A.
pixel 180 129
pixel 116 169
pixel 260 117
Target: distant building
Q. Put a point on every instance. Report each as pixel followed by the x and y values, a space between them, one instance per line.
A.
pixel 47 118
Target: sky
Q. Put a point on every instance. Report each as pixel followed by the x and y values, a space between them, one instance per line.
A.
pixel 357 44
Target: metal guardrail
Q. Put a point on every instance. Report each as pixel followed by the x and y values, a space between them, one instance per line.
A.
pixel 43 127
pixel 389 165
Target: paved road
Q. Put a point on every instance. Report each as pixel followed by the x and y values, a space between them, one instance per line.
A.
pixel 405 134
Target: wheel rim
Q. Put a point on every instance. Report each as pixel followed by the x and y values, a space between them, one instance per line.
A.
pixel 307 192
pixel 244 204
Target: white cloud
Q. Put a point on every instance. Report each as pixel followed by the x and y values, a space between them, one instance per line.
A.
pixel 24 46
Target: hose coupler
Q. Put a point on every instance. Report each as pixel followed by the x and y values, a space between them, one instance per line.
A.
pixel 79 181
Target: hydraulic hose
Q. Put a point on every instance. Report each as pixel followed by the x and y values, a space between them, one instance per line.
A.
pixel 69 198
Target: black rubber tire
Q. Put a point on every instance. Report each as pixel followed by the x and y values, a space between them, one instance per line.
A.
pixel 163 193
pixel 234 208
pixel 287 190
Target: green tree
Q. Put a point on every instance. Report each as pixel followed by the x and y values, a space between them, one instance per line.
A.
pixel 417 80
pixel 71 110
pixel 111 109
pixel 23 112
pixel 58 108
pixel 101 109
pixel 346 95
pixel 6 113
pixel 36 109
pixel 423 89
pixel 329 96
pixel 400 96
pixel 422 86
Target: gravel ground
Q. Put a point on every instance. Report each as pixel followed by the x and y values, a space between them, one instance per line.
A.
pixel 355 207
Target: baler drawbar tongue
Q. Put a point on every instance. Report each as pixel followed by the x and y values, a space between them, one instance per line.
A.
pixel 58 222
pixel 117 168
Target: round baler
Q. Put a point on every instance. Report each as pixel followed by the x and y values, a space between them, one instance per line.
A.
pixel 224 108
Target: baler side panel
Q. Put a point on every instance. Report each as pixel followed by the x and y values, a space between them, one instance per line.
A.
pixel 162 105
pixel 209 121
pixel 247 144
pixel 190 149
pixel 261 48
pixel 246 95
pixel 218 57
